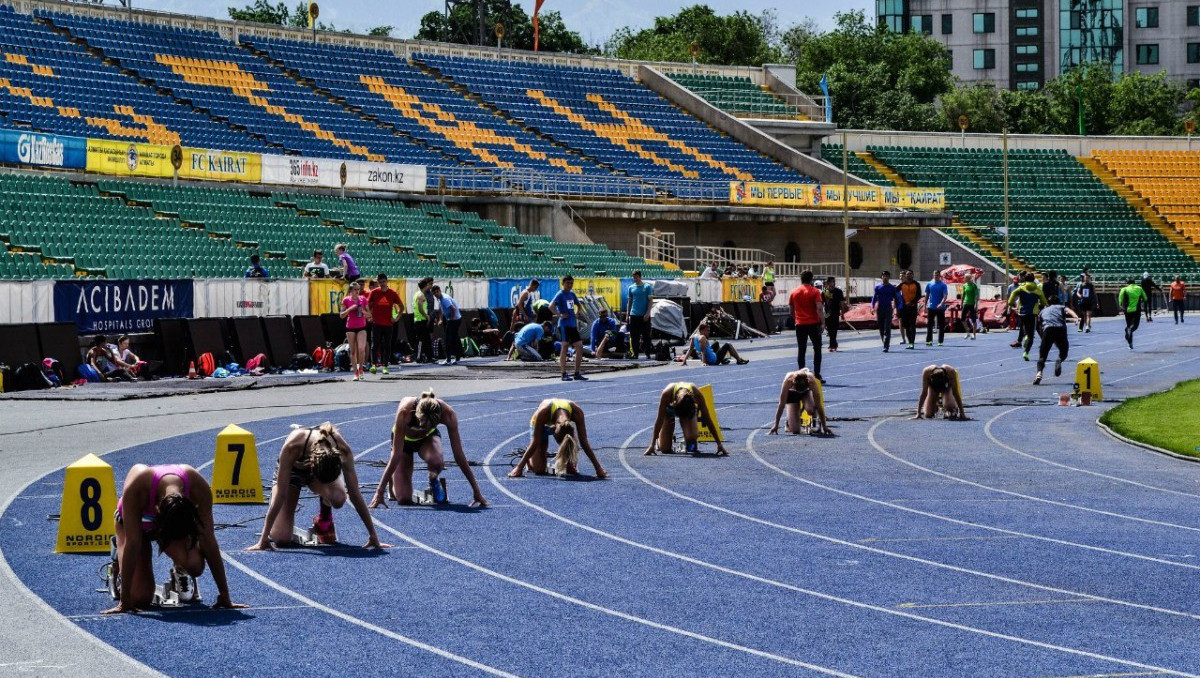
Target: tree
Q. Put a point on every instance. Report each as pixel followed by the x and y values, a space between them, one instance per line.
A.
pixel 792 42
pixel 264 12
pixel 878 79
pixel 462 27
pixel 1027 112
pixel 1146 105
pixel 982 105
pixel 381 31
pixel 740 38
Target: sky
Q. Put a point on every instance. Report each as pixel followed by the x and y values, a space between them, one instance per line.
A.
pixel 594 20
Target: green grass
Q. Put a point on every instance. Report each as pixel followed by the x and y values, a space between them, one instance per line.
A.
pixel 1170 420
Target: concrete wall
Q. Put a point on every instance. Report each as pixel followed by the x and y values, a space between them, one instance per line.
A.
pixel 741 131
pixel 530 218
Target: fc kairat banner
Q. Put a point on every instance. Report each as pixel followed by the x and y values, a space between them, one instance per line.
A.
pixel 829 196
pixel 199 163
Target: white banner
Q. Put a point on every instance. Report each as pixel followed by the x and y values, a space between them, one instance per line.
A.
pixel 469 293
pixel 707 290
pixel 242 297
pixel 322 172
pixel 26 302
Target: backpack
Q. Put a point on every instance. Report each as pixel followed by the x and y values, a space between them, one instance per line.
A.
pixel 341 357
pixel 206 365
pixel 662 351
pixel 88 373
pixel 323 357
pixel 54 371
pixel 302 361
pixel 257 362
pixel 29 377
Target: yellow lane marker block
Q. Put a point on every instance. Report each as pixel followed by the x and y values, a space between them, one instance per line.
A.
pixel 709 435
pixel 89 499
pixel 236 478
pixel 1087 378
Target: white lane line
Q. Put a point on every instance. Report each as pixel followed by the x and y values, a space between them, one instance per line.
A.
pixel 987 430
pixel 1027 497
pixel 812 593
pixel 1000 603
pixel 412 642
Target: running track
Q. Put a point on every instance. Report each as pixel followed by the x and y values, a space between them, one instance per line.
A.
pixel 1022 543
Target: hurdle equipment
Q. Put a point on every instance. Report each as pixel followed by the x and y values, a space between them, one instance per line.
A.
pixel 236 478
pixel 89 499
pixel 713 434
pixel 1087 379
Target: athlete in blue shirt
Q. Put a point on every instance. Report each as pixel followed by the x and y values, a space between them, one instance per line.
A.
pixel 638 300
pixel 935 308
pixel 525 342
pixel 606 335
pixel 564 304
pixel 883 304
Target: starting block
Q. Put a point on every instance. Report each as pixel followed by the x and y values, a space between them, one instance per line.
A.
pixel 179 588
pixel 305 537
pixel 806 422
pixel 425 497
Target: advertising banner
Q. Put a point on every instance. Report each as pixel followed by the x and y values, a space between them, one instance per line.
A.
pixel 26 301
pixel 199 163
pixel 124 158
pixel 608 288
pixel 113 306
pixel 504 292
pixel 740 289
pixel 772 195
pixel 325 296
pixel 241 297
pixel 42 150
pixel 325 173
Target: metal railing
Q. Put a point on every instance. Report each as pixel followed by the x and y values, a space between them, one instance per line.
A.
pixel 768 105
pixel 658 246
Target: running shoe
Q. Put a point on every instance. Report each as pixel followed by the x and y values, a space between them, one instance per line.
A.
pixel 356 378
pixel 373 369
pixel 580 377
pixel 885 349
pixel 436 491
pixel 692 448
pixel 1087 330
pixel 742 361
pixel 567 377
pixel 1025 355
pixel 820 379
pixel 1058 368
pixel 1015 344
pixel 910 347
pixel 384 369
pixel 324 531
pixel 939 343
pixel 1038 379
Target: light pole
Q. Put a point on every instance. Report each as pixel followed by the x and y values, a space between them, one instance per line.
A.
pixel 845 214
pixel 1007 266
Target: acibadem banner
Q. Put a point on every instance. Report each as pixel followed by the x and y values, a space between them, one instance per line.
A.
pixel 829 196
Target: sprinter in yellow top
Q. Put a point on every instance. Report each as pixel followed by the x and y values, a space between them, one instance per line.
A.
pixel 563 420
pixel 685 401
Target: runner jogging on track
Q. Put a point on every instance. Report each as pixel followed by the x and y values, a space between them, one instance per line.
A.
pixel 1130 300
pixel 1054 334
pixel 883 305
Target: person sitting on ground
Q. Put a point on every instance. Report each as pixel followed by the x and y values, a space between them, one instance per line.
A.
pixel 526 342
pixel 170 505
pixel 563 419
pixel 711 353
pixel 137 366
pixel 607 337
pixel 485 335
pixel 415 431
pixel 111 368
pixel 685 401
pixel 939 388
pixel 317 268
pixel 319 459
pixel 256 270
pixel 799 394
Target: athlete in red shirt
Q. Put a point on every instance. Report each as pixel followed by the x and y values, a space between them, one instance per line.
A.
pixel 808 307
pixel 382 301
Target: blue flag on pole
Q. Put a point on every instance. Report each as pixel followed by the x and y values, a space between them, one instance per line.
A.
pixel 828 101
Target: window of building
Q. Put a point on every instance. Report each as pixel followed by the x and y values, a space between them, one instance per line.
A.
pixel 1027 84
pixel 984 22
pixel 1029 67
pixel 1147 54
pixel 1092 32
pixel 984 59
pixel 1028 50
pixel 949 59
pixel 1193 15
pixel 1027 13
pixel 1027 31
pixel 922 23
pixel 1146 17
pixel 1193 52
pixel 948 24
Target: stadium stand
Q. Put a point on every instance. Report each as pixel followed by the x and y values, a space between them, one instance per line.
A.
pixel 611 118
pixel 737 96
pixel 832 154
pixel 1168 180
pixel 53 85
pixel 56 228
pixel 1061 216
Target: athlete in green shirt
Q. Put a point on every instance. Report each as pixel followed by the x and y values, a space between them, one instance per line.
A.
pixel 1130 300
pixel 970 302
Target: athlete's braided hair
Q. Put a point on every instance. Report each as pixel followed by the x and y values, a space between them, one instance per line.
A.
pixel 429 410
pixel 568 446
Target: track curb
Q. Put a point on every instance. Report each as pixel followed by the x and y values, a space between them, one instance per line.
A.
pixel 1146 446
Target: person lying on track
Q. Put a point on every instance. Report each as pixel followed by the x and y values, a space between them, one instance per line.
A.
pixel 939 389
pixel 169 505
pixel 685 401
pixel 320 459
pixel 564 421
pixel 415 431
pixel 799 394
